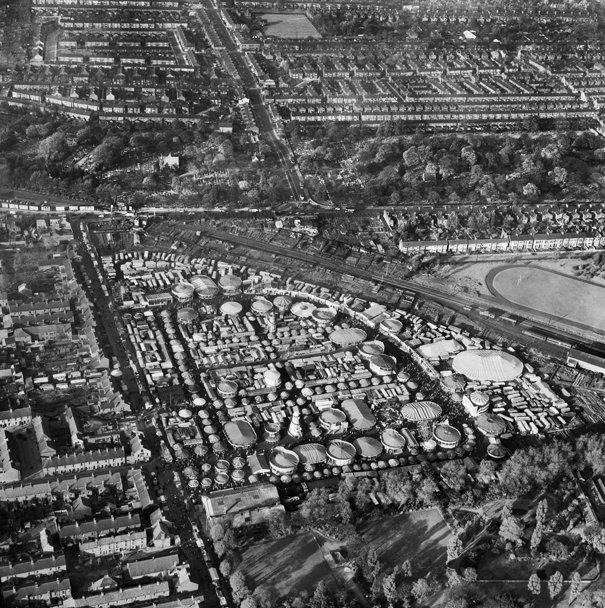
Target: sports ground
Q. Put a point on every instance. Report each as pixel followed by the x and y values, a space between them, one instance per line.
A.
pixel 557 295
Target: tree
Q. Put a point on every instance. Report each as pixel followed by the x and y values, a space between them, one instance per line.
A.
pixel 555 584
pixel 225 568
pixel 389 588
pixel 453 578
pixel 593 450
pixel 239 589
pixel 511 529
pixel 534 584
pixel 420 589
pixel 406 568
pixel 321 597
pixel 454 548
pixel 470 575
pixel 249 602
pixel 536 537
pixel 574 587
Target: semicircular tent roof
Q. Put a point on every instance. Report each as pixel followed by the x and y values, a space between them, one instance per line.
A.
pixel 239 433
pixel 491 365
pixel 311 453
pixel 368 447
pixel 359 414
pixel 348 337
pixel 421 410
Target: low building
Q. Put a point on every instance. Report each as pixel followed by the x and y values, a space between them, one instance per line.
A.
pixel 243 506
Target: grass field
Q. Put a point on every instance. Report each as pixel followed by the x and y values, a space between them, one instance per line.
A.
pixel 289 25
pixel 287 566
pixel 553 293
pixel 421 537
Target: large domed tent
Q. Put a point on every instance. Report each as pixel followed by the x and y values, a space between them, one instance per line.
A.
pixel 420 411
pixel 359 414
pixel 487 365
pixel 348 337
pixel 490 425
pixel 239 433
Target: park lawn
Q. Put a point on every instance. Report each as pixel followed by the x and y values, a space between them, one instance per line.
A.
pixel 420 537
pixel 289 25
pixel 287 566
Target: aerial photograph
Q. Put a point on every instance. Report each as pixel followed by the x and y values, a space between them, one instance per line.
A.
pixel 302 303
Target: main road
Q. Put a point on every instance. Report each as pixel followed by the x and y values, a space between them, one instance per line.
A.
pixel 265 122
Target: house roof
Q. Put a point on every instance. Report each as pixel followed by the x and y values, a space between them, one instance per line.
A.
pixel 155 565
pixel 100 526
pixel 24 568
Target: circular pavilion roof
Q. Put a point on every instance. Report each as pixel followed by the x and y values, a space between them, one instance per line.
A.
pixel 348 337
pixel 231 308
pixel 369 349
pixel 272 377
pixel 479 398
pixel 332 416
pixel 239 433
pixel 491 424
pixel 446 433
pixel 230 282
pixel 421 410
pixel 227 386
pixel 341 450
pixel 368 447
pixel 303 309
pixel 393 326
pixel 383 362
pixel 392 439
pixel 185 414
pixel 261 307
pixel 311 453
pixel 323 314
pixel 283 458
pixel 183 290
pixel 186 315
pixel 492 365
pixel 282 302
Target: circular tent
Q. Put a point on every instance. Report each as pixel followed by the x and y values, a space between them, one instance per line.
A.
pixel 359 414
pixel 479 399
pixel 348 337
pixel 341 453
pixel 283 461
pixel 496 450
pixel 303 309
pixel 491 425
pixel 393 441
pixel 231 308
pixel 183 292
pixel 239 433
pixel 368 447
pixel 446 436
pixel 229 282
pixel 369 349
pixel 272 378
pixel 421 410
pixel 331 420
pixel 186 315
pixel 382 364
pixel 185 414
pixel 282 303
pixel 323 316
pixel 227 389
pixel 311 453
pixel 490 365
pixel 391 326
pixel 261 307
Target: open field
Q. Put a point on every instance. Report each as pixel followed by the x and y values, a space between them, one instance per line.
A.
pixel 289 25
pixel 550 292
pixel 287 566
pixel 421 537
